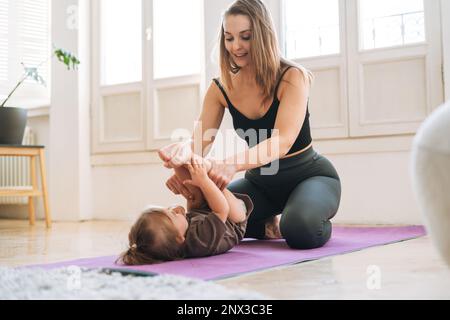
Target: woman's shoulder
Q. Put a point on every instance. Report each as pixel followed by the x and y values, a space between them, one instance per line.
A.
pixel 292 71
pixel 217 91
pixel 219 80
pixel 221 91
pixel 294 76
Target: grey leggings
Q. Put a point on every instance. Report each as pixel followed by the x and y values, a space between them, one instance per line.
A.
pixel 306 190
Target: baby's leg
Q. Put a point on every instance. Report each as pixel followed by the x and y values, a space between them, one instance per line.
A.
pixel 183 173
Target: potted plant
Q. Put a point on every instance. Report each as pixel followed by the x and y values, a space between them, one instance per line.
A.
pixel 13 120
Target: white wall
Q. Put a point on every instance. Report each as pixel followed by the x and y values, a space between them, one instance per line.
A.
pixel 69 179
pixel 376 188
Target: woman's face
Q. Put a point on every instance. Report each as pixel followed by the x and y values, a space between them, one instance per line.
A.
pixel 237 33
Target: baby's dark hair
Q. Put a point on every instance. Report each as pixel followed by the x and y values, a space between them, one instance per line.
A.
pixel 152 239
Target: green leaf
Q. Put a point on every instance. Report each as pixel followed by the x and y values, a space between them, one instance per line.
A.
pixel 32 73
pixel 67 58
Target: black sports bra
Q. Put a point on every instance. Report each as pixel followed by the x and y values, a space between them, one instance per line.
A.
pixel 254 131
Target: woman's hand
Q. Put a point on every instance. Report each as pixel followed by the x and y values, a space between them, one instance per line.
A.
pixel 175 185
pixel 176 154
pixel 221 173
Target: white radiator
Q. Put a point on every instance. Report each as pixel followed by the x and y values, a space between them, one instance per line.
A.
pixel 15 172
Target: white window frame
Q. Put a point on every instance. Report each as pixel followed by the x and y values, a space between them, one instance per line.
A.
pixel 430 50
pixel 349 71
pixel 326 62
pixel 149 140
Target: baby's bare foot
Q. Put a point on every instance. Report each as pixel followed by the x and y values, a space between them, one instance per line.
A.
pixel 273 228
pixel 176 154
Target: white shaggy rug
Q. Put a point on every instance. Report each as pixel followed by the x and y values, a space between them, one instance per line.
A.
pixel 73 283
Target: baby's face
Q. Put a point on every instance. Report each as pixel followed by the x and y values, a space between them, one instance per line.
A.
pixel 177 214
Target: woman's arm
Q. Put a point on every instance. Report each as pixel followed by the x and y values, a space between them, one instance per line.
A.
pixel 209 121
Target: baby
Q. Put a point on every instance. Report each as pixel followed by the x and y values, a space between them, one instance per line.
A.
pixel 215 221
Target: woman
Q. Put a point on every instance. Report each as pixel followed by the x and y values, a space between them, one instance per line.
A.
pixel 266 96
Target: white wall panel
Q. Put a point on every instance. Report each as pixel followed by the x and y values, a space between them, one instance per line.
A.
pixel 394 92
pixel 174 111
pixel 325 99
pixel 122 118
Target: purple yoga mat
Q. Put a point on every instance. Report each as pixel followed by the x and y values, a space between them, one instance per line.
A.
pixel 253 255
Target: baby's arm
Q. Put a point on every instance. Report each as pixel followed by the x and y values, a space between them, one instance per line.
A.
pixel 215 198
pixel 224 201
pixel 238 209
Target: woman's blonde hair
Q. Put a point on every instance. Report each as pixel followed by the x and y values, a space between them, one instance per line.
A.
pixel 265 52
pixel 152 239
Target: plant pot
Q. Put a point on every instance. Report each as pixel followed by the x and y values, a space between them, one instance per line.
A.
pixel 12 125
pixel 431 176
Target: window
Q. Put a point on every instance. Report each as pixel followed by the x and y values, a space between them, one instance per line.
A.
pixel 147 57
pixel 24 37
pixel 381 74
pixel 121 36
pixel 312 28
pixel 177 37
pixel 388 23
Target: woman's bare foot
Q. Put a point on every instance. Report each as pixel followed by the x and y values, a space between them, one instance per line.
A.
pixel 273 228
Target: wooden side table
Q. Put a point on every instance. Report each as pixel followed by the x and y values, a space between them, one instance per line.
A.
pixel 31 151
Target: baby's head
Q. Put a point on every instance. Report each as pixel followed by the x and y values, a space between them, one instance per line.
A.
pixel 158 235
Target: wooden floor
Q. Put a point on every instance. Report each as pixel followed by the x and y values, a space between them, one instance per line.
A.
pixel 406 270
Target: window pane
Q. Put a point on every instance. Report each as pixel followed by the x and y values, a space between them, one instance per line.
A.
pixel 121 41
pixel 387 23
pixel 311 30
pixel 4 40
pixel 177 37
pixel 33 35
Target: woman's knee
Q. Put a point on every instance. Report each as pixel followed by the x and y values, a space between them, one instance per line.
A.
pixel 304 229
pixel 305 221
pixel 239 186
